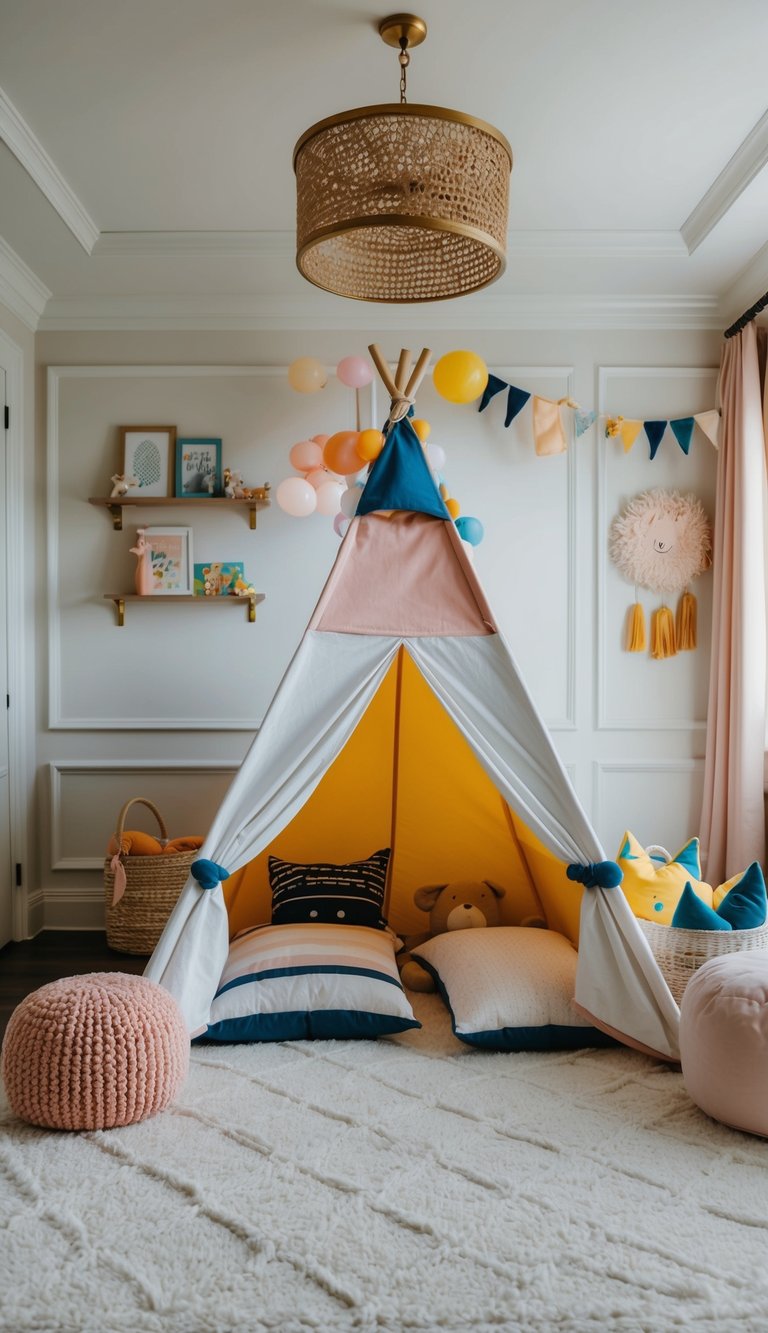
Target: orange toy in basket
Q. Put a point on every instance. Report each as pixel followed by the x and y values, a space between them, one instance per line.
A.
pixel 143 877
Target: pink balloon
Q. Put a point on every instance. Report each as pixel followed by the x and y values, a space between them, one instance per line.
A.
pixel 329 497
pixel 340 525
pixel 320 475
pixel 354 371
pixel 296 497
pixel 320 439
pixel 305 456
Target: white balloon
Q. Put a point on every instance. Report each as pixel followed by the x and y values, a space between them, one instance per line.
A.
pixel 329 497
pixel 296 497
pixel 340 524
pixel 436 456
pixel 350 500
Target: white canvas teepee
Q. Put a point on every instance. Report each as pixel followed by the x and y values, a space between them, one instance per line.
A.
pixel 402 612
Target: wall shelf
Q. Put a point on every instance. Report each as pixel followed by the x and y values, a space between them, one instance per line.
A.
pixel 120 599
pixel 116 505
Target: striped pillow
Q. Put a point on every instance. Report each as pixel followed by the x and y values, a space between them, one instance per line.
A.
pixel 349 895
pixel 284 983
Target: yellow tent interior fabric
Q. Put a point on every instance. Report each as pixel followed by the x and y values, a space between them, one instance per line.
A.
pixel 407 779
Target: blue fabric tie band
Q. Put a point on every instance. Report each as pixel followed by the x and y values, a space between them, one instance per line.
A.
pixel 207 873
pixel 596 874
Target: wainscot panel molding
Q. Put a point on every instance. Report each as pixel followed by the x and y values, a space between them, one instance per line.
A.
pixel 654 811
pixel 80 832
pixel 617 481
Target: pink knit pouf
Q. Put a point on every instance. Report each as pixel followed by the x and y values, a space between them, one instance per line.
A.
pixel 94 1052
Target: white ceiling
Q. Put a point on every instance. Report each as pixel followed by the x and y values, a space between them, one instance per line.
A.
pixel 145 168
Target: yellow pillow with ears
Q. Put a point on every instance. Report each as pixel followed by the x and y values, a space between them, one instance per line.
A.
pixel 653 888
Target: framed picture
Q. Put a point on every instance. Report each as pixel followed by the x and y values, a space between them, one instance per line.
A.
pixel 198 468
pixel 170 555
pixel 217 578
pixel 147 458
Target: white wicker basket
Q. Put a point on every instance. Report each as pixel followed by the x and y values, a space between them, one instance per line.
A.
pixel 679 953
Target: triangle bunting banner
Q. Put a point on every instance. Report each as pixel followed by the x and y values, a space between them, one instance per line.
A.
pixel 682 428
pixel 516 400
pixel 654 431
pixel 709 423
pixel 494 386
pixel 629 431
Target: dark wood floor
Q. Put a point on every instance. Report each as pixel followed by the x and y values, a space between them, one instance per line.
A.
pixel 53 954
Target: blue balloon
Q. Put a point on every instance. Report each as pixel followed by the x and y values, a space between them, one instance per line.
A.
pixel 470 529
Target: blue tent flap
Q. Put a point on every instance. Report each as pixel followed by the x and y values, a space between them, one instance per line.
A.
pixel 400 477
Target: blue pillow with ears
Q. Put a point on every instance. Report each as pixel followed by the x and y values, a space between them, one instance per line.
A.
pixel 745 904
pixel 693 914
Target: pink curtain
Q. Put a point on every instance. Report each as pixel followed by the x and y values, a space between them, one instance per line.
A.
pixel 733 820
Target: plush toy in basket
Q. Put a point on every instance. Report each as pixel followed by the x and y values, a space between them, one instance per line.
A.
pixel 686 921
pixel 143 877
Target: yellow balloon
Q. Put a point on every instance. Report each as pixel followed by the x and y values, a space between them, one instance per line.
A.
pixel 307 375
pixel 460 376
pixel 443 491
pixel 369 444
pixel 422 428
pixel 453 507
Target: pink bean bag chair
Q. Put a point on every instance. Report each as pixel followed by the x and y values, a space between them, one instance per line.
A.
pixel 724 1040
pixel 94 1052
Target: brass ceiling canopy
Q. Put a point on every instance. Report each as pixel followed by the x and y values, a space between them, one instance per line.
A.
pixel 402 202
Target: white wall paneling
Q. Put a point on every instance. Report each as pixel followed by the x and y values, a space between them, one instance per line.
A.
pixel 175 666
pixel 165 707
pixel 634 692
pixel 86 797
pixel 528 505
pixel 659 800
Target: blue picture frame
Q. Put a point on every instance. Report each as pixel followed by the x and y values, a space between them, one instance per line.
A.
pixel 197 460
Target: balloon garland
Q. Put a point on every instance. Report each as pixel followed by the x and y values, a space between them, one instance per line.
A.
pixel 331 469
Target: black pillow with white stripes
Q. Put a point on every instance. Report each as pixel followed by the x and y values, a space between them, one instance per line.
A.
pixel 351 894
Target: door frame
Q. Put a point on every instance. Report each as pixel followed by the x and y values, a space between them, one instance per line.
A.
pixel 18 502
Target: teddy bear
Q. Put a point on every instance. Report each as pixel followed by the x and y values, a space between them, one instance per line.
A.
pixel 462 904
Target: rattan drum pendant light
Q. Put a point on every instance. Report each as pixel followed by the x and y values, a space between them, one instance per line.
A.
pixel 402 202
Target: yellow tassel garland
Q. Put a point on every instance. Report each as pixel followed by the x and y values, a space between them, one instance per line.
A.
pixel 636 642
pixel 686 621
pixel 663 633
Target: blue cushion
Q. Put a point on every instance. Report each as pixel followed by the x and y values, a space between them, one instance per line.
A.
pixel 746 905
pixel 693 914
pixel 339 895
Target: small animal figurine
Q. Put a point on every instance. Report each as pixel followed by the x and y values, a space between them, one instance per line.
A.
pixel 241 588
pixel 143 576
pixel 210 483
pixel 233 484
pixel 121 485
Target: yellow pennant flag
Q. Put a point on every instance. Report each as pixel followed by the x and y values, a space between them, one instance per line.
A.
pixel 548 433
pixel 629 432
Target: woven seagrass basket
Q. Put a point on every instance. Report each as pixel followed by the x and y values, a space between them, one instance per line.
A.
pixel 679 953
pixel 152 886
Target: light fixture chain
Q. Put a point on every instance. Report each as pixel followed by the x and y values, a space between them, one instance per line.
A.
pixel 405 61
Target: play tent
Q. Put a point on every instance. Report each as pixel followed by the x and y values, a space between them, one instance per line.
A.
pixel 402 721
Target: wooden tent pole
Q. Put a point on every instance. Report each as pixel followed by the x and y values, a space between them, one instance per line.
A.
pixel 383 369
pixel 419 372
pixel 403 370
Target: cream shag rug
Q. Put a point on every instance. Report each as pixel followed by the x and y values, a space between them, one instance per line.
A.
pixel 411 1183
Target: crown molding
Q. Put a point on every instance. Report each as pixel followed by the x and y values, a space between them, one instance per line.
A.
pixel 310 312
pixel 196 244
pixel 747 287
pixel 748 160
pixel 282 244
pixel 28 150
pixel 21 291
